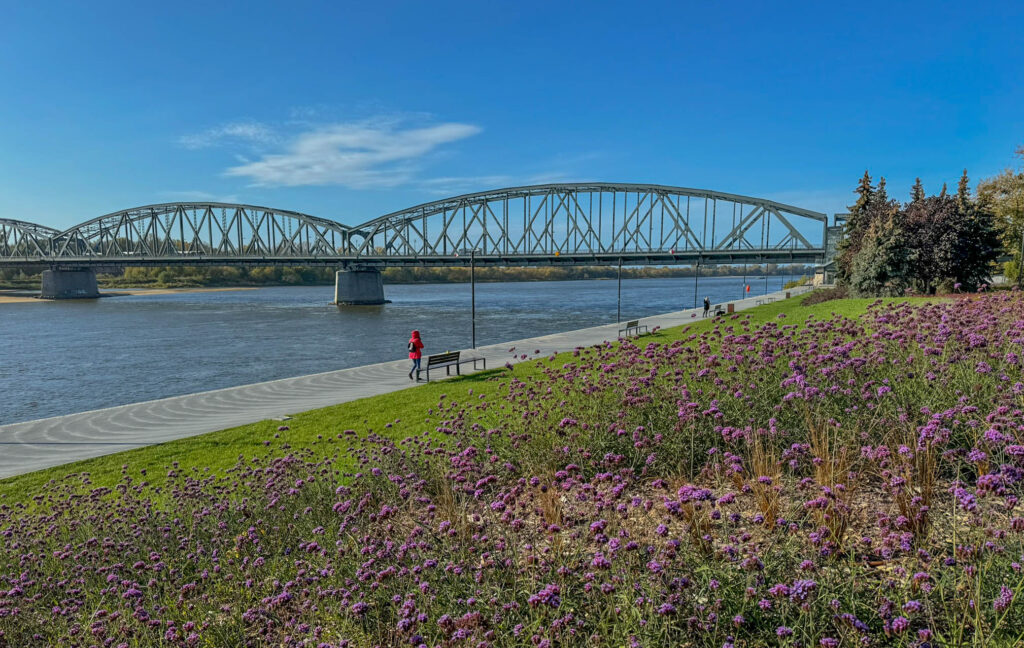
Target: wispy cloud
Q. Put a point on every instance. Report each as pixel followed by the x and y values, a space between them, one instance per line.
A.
pixel 198 196
pixel 449 186
pixel 234 132
pixel 358 155
pixel 389 150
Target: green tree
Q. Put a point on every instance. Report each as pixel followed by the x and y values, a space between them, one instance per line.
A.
pixel 917 191
pixel 1003 197
pixel 857 224
pixel 931 241
pixel 977 241
pixel 880 266
pixel 949 238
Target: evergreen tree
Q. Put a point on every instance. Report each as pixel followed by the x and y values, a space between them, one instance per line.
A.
pixel 865 193
pixel 963 192
pixel 880 267
pixel 917 191
pixel 977 241
pixel 881 195
pixel 856 226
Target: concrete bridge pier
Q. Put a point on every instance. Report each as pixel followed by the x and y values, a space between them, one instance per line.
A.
pixel 358 287
pixel 78 283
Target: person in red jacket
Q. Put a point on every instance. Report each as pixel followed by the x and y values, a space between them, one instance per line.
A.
pixel 415 352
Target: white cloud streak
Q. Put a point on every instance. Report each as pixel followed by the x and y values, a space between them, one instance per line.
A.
pixel 199 196
pixel 244 131
pixel 359 155
pixel 449 186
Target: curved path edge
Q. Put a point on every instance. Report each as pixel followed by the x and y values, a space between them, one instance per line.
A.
pixel 44 443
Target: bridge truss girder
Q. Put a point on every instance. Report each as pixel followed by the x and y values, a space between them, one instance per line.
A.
pixel 180 232
pixel 594 218
pixel 21 239
pixel 581 223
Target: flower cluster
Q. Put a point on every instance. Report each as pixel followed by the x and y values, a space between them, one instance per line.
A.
pixel 838 482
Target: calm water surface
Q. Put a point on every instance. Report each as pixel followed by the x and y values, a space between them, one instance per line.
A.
pixel 64 357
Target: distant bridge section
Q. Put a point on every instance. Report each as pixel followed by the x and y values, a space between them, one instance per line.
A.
pixel 19 239
pixel 552 224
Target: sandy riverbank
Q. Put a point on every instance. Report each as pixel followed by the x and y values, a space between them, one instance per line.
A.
pixel 15 296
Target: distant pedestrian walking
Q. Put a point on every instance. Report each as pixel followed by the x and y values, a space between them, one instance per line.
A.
pixel 415 352
pixel 707 306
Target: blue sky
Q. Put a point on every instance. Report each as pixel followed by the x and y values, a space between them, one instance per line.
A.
pixel 352 110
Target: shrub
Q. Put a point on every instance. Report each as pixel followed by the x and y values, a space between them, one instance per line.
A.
pixel 822 295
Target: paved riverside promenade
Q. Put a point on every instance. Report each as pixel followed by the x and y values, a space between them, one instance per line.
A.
pixel 33 445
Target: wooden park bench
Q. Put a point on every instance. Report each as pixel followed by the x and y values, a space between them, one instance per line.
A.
pixel 719 310
pixel 448 360
pixel 633 328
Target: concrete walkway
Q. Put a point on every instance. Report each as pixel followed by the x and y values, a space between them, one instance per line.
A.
pixel 33 445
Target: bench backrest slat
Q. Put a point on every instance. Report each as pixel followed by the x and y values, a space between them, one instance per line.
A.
pixel 632 323
pixel 441 358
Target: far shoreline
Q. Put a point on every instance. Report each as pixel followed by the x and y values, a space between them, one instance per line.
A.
pixel 22 296
pixel 16 295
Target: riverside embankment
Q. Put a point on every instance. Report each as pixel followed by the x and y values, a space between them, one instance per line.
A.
pixel 43 443
pixel 64 357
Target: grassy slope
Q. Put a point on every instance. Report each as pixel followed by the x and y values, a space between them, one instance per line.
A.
pixel 405 410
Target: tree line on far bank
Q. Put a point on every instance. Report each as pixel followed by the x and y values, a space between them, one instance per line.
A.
pixel 218 276
pixel 937 243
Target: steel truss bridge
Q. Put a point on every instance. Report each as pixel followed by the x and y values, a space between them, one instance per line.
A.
pixel 553 224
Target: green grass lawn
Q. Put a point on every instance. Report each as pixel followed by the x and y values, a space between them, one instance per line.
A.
pixel 405 411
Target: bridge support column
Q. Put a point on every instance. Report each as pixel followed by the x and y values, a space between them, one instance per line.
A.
pixel 358 288
pixel 69 284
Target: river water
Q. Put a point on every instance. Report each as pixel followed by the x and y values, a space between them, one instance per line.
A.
pixel 70 356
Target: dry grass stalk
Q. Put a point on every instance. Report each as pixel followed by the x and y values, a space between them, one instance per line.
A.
pixel 914 465
pixel 764 464
pixel 833 463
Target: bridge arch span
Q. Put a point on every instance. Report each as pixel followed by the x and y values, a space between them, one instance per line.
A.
pixel 598 219
pixel 178 231
pixel 21 239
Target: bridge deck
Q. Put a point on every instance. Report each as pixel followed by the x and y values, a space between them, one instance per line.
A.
pixel 43 443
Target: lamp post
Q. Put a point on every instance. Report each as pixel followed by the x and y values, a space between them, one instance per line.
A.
pixel 1020 264
pixel 472 292
pixel 696 276
pixel 618 303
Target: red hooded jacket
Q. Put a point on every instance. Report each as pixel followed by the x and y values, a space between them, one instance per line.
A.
pixel 417 344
